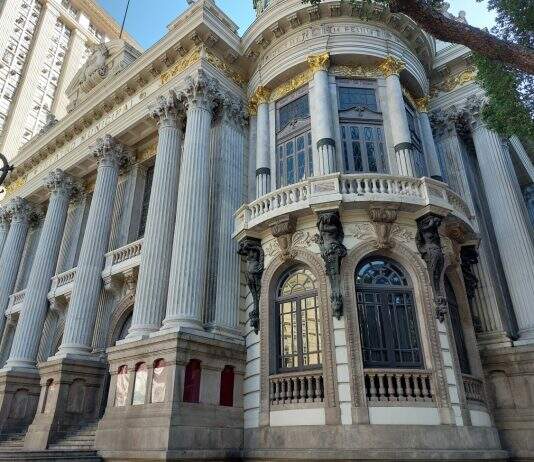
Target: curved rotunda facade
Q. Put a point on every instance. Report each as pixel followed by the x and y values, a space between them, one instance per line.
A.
pixel 299 243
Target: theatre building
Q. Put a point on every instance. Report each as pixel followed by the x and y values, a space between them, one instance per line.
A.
pixel 297 243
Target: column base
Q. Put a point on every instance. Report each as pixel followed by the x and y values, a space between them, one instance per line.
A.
pixel 510 379
pixel 526 337
pixel 71 396
pixel 177 324
pixel 165 423
pixel 19 398
pixel 232 333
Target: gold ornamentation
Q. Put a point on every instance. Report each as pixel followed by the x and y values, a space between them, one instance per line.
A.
pixel 296 82
pixel 260 96
pixel 391 66
pixel 422 104
pixel 319 62
pixel 356 71
pixel 455 81
pixel 181 65
pixel 231 73
pixel 15 186
pixel 148 152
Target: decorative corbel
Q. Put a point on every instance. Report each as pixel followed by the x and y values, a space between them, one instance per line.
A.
pixel 469 258
pixel 383 219
pixel 330 240
pixel 428 243
pixel 283 229
pixel 251 249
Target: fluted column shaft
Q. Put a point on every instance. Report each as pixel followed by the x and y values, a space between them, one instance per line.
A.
pixel 512 228
pixel 432 160
pixel 260 100
pixel 20 213
pixel 322 124
pixel 400 130
pixel 33 313
pixel 4 228
pixel 81 315
pixel 230 198
pixel 154 270
pixel 190 246
pixel 529 199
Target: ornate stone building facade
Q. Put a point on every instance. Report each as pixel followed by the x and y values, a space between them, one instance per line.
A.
pixel 299 243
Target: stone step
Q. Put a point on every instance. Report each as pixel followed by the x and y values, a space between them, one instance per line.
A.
pixel 66 455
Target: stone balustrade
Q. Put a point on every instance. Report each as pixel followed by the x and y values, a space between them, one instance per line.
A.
pixel 122 259
pixel 62 284
pixel 15 302
pixel 409 194
pixel 398 385
pixel 474 389
pixel 298 387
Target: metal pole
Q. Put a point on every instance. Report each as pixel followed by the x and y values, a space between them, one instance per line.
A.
pixel 124 18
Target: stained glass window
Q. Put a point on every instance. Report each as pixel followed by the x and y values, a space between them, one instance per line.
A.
pixel 363 148
pixel 386 314
pixel 297 109
pixel 299 323
pixel 354 97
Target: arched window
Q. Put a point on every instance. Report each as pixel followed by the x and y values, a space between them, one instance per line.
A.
pixel 227 387
pixel 386 314
pixel 457 329
pixel 140 382
pixel 192 381
pixel 158 382
pixel 299 321
pixel 294 153
pixel 360 121
pixel 121 390
pixel 123 332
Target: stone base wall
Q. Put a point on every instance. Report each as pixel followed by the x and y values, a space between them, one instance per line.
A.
pixel 19 397
pixel 510 380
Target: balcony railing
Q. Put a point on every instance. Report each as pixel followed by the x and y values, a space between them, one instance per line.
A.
pixel 300 387
pixel 15 302
pixel 122 259
pixel 474 389
pixel 396 385
pixel 408 193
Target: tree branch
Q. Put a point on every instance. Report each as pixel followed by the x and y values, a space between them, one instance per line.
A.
pixel 449 30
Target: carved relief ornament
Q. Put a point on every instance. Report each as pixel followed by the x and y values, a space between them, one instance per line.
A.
pixel 251 249
pixel 320 62
pixel 391 66
pixel 330 240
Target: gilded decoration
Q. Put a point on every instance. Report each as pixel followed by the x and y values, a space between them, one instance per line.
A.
pixel 228 71
pixel 295 83
pixel 148 152
pixel 391 66
pixel 369 72
pixel 319 62
pixel 260 96
pixel 181 65
pixel 422 104
pixel 455 81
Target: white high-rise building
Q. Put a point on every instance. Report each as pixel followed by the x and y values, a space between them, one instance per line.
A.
pixel 43 43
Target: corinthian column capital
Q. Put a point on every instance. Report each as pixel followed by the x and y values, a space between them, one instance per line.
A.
pixel 109 151
pixel 4 217
pixel 320 62
pixel 167 110
pixel 391 66
pixel 200 92
pixel 19 209
pixel 59 182
pixel 232 110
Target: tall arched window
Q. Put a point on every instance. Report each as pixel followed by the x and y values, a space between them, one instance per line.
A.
pixel 298 321
pixel 294 154
pixel 413 124
pixel 386 314
pixel 360 120
pixel 457 329
pixel 192 377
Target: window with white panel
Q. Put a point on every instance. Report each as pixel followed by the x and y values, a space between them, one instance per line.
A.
pixel 360 120
pixel 294 153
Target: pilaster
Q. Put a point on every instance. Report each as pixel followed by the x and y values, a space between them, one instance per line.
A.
pixel 429 144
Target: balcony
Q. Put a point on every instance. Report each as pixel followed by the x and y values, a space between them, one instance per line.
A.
pixel 353 191
pixel 15 302
pixel 398 386
pixel 474 389
pixel 297 388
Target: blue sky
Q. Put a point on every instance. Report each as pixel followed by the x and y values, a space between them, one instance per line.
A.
pixel 147 19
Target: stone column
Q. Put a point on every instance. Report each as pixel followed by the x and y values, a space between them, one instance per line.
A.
pixel 230 176
pixel 322 125
pixel 529 199
pixel 4 227
pixel 432 160
pixel 512 227
pixel 20 212
pixel 391 68
pixel 260 105
pixel 33 313
pixel 154 269
pixel 81 315
pixel 190 246
pixel 523 156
